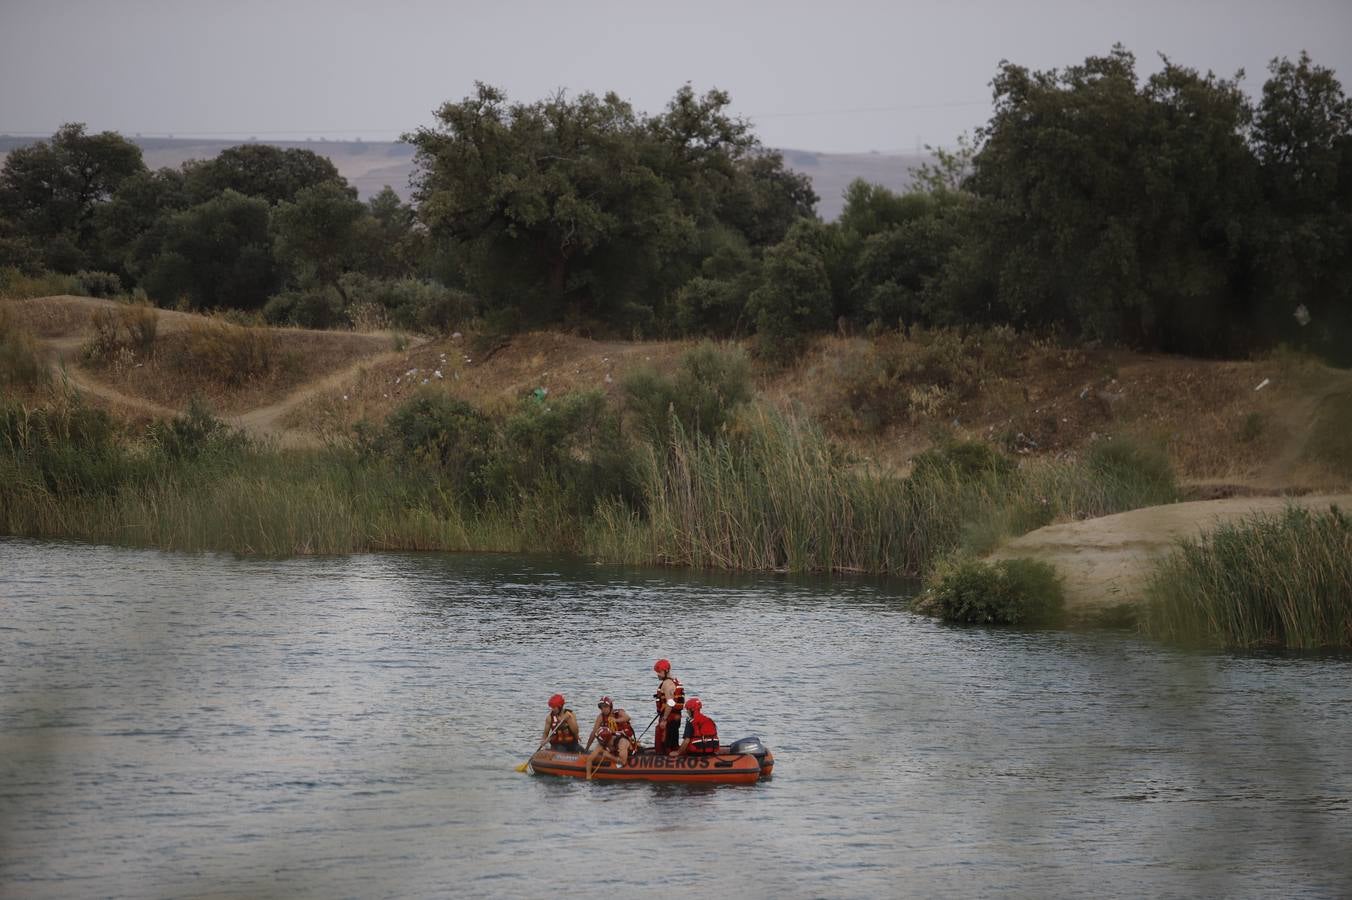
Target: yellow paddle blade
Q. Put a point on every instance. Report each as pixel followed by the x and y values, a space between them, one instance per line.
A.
pixel 523 766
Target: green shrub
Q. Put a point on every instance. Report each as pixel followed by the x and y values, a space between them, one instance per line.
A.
pixel 709 385
pixel 97 284
pixel 1007 592
pixel 411 304
pixel 445 432
pixel 195 433
pixel 650 399
pixel 318 308
pixel 21 365
pixel 1282 581
pixel 572 446
pixel 966 459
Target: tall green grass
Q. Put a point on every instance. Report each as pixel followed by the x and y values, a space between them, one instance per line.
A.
pixel 770 493
pixel 777 495
pixel 1282 581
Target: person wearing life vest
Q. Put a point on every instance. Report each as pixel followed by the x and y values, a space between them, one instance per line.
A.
pixel 617 720
pixel 561 727
pixel 701 734
pixel 670 700
pixel 612 745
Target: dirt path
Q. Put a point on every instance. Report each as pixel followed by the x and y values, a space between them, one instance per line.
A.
pixel 266 421
pixel 61 325
pixel 1105 562
pixel 133 405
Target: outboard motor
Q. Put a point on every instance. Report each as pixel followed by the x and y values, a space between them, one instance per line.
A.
pixel 750 745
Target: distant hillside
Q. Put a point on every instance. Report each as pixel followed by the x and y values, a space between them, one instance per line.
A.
pixel 831 173
pixel 369 166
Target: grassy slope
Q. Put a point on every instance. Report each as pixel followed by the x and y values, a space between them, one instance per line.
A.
pixel 1223 436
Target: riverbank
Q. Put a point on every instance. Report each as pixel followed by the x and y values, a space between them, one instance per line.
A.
pixel 1105 563
pixel 667 453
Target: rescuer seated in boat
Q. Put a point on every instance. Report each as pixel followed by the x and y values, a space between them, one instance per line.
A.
pixel 670 699
pixel 617 720
pixel 561 727
pixel 611 745
pixel 701 734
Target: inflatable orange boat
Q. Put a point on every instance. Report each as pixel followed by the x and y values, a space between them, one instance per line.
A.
pixel 743 762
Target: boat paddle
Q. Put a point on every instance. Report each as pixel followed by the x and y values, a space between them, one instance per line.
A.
pixel 526 764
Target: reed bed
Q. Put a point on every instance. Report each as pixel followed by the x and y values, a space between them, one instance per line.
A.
pixel 771 494
pixel 778 496
pixel 1267 581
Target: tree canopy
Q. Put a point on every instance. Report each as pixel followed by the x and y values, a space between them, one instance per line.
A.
pixel 1167 213
pixel 583 208
pixel 51 189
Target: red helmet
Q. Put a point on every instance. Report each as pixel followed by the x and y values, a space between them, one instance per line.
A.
pixel 662 665
pixel 604 734
pixel 605 701
pixel 693 705
pixel 556 701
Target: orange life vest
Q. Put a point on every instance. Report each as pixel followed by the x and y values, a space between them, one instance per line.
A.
pixel 622 729
pixel 678 696
pixel 703 734
pixel 613 745
pixel 564 734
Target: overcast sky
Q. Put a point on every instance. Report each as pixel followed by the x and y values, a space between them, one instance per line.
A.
pixel 835 75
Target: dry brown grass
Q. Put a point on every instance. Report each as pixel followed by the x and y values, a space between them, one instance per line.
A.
pixel 559 363
pixel 23 367
pixel 1043 400
pixel 121 336
pixel 56 317
pixel 237 368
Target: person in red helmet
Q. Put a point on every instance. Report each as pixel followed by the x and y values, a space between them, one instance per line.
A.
pixel 701 734
pixel 617 720
pixel 561 727
pixel 612 745
pixel 670 699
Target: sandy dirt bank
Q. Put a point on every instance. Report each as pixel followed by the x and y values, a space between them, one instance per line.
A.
pixel 1105 562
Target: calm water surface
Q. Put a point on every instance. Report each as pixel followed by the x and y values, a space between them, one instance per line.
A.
pixel 190 726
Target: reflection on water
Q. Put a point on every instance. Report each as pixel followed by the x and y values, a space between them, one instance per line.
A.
pixel 206 726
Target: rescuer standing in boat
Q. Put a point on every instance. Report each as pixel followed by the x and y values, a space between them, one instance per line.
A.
pixel 701 734
pixel 668 735
pixel 561 727
pixel 617 720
